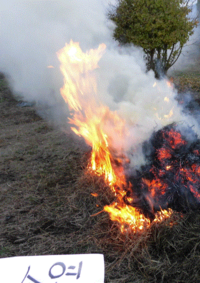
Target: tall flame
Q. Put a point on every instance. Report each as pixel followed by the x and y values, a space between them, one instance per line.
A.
pixel 93 121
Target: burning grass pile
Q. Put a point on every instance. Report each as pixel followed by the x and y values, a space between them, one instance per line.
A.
pixel 172 175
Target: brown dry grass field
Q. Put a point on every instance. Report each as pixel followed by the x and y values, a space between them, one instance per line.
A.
pixel 46 206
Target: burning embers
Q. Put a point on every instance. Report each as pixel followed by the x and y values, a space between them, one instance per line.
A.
pixel 168 182
pixel 172 177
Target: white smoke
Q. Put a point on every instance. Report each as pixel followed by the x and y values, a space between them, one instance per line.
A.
pixel 33 31
pixel 190 51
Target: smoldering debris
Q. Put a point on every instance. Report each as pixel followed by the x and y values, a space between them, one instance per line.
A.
pixel 171 177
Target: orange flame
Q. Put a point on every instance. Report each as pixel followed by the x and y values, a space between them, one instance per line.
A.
pixel 94 121
pixel 129 217
pixel 89 117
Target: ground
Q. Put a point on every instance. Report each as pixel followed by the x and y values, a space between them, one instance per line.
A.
pixel 47 206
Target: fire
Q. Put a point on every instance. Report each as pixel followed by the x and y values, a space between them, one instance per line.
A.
pixel 77 68
pixel 166 116
pixel 89 116
pixel 156 187
pixel 94 121
pixel 171 113
pixel 167 113
pixel 174 139
pixel 162 215
pixel 129 217
pixel 163 153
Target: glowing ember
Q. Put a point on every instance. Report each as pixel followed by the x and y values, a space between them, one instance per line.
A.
pixel 173 178
pixel 163 153
pixel 174 138
pixel 156 187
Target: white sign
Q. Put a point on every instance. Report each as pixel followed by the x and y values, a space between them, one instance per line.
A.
pixel 83 268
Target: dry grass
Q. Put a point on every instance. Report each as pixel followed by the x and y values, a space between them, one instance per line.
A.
pixel 187 81
pixel 47 207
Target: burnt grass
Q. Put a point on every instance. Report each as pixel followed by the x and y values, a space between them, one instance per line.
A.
pixel 46 206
